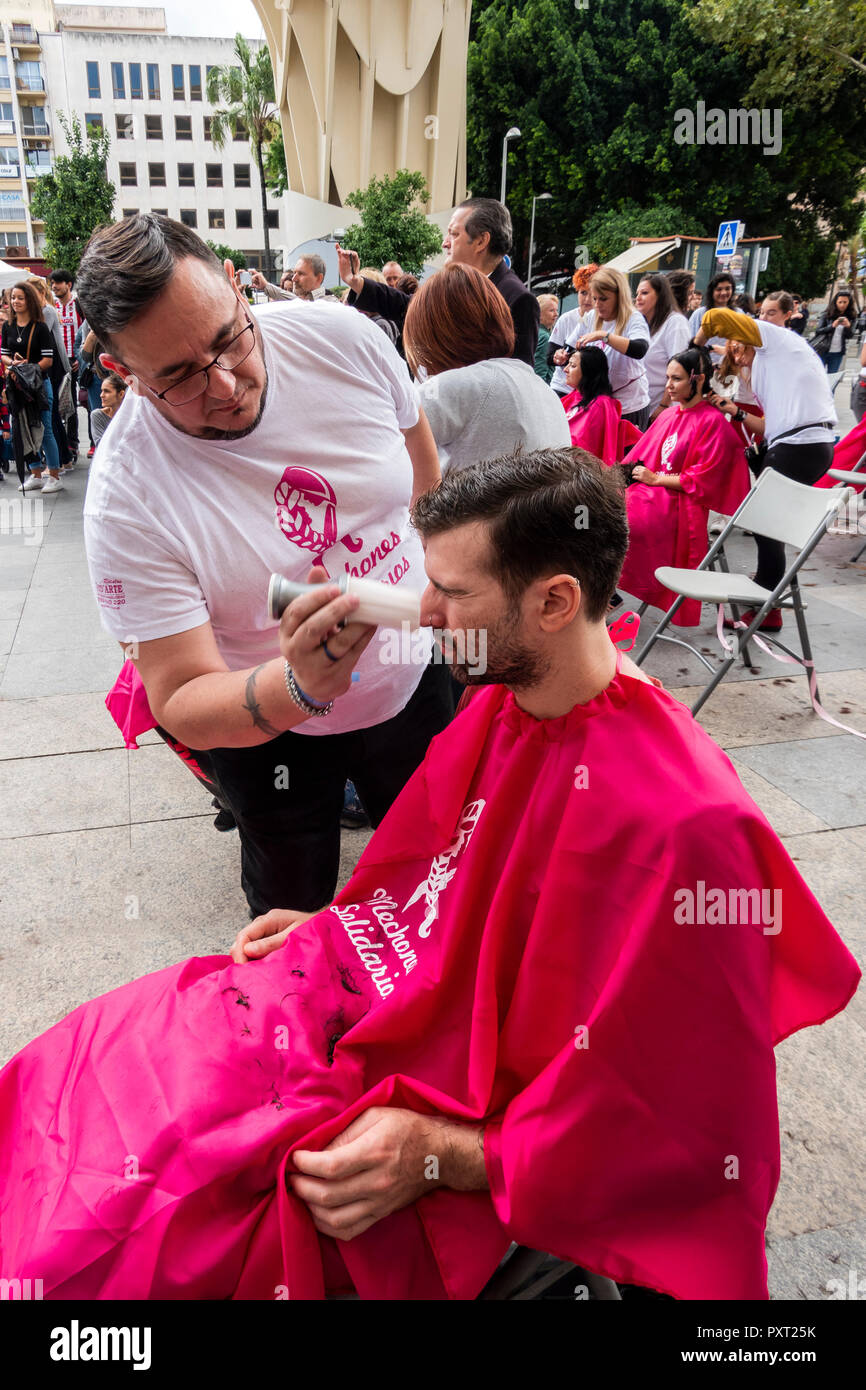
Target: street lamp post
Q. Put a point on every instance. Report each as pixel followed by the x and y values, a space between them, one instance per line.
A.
pixel 512 134
pixel 539 198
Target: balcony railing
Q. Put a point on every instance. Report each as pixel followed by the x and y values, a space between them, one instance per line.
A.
pixel 29 84
pixel 7 127
pixel 23 33
pixel 9 171
pixel 39 130
pixel 10 213
pixel 35 171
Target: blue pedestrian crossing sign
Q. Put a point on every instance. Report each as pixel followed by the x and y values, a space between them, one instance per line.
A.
pixel 726 241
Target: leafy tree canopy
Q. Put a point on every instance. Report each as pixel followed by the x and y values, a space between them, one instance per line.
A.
pixel 391 228
pixel 805 48
pixel 594 92
pixel 76 197
pixel 276 174
pixel 226 253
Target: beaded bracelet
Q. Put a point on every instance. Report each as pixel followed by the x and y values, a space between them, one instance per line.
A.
pixel 305 702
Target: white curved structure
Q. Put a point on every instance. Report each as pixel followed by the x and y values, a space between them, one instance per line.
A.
pixel 366 87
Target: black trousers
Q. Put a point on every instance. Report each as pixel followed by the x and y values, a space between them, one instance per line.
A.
pixel 287 795
pixel 803 463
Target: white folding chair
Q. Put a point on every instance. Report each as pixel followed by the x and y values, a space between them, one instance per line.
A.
pixel 784 511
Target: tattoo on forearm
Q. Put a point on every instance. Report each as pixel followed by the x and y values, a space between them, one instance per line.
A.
pixel 252 704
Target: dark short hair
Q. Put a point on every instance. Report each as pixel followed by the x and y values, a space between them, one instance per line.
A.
pixel 408 283
pixel 34 303
pixel 530 505
pixel 723 277
pixel 594 375
pixel 63 275
pixel 456 318
pixel 489 215
pixel 316 264
pixel 127 265
pixel 784 300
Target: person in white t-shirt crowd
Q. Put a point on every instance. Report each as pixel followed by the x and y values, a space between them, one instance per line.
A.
pixel 625 338
pixel 209 480
pixel 669 335
pixel 799 421
pixel 568 328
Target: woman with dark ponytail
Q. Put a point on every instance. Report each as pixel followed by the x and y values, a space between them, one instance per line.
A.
pixel 689 462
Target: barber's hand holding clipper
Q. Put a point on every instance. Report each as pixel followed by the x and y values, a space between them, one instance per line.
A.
pixel 319 641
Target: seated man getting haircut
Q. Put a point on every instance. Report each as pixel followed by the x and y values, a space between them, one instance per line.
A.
pixel 543 1009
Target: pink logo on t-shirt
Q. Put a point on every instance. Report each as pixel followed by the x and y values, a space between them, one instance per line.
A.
pixel 307 510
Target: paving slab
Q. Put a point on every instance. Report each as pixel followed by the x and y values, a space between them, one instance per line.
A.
pixel 72 791
pixel 826 775
pixel 822 1265
pixel 66 723
pixel 60 670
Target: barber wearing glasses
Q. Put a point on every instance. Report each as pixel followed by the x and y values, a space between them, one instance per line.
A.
pixel 257 440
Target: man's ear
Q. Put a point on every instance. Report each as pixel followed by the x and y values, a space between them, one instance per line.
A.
pixel 111 364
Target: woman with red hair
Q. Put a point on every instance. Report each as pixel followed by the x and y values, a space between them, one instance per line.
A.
pixel 480 401
pixel 569 327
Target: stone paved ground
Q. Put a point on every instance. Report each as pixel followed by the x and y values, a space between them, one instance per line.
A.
pixel 93 834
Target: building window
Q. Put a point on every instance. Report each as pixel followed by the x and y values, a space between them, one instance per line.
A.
pixel 177 82
pixel 128 176
pixel 156 175
pixel 207 124
pixel 244 219
pixel 130 212
pixel 124 127
pixel 183 127
pixel 28 77
pixel 118 82
pixel 94 91
pixel 153 81
pixel 242 176
pixel 33 120
pixel 189 217
pixel 9 166
pixel 186 175
pixel 153 127
pixel 135 88
pixel 93 120
pixel 241 131
pixel 214 175
pixel 216 219
pixel 195 82
pixel 273 216
pixel 160 212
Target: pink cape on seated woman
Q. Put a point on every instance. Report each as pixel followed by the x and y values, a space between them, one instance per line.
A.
pixel 521 944
pixel 669 527
pixel 847 454
pixel 600 428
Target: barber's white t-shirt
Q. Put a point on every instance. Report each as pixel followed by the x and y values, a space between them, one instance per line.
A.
pixel 180 531
pixel 568 328
pixel 789 380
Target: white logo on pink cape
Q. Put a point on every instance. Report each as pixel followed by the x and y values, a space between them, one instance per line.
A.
pixel 441 874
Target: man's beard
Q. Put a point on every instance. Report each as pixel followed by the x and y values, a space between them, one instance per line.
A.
pixel 509 661
pixel 208 433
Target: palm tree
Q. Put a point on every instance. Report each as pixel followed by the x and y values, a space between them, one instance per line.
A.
pixel 244 96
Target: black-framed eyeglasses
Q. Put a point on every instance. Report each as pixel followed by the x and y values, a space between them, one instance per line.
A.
pixel 194 385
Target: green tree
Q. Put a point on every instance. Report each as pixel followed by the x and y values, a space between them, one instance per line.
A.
pixel 804 51
pixel 594 92
pixel 244 96
pixel 607 233
pixel 76 197
pixel 391 228
pixel 276 174
pixel 226 253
